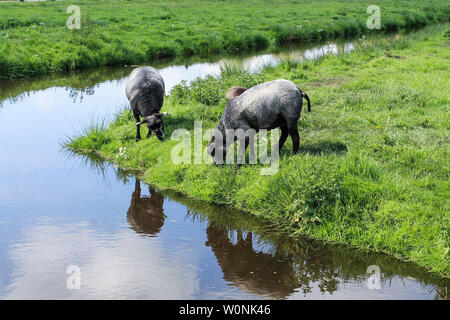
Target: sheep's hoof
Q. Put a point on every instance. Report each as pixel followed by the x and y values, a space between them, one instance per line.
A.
pixel 138 139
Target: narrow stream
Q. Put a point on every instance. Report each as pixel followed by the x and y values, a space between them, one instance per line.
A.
pixel 130 241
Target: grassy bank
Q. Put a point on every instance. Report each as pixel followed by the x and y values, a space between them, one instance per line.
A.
pixel 373 168
pixel 35 39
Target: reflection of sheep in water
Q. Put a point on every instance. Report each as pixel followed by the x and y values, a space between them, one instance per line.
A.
pixel 255 272
pixel 146 214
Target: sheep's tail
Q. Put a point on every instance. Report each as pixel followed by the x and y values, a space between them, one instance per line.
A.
pixel 306 97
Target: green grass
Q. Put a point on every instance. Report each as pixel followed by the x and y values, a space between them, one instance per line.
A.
pixel 35 39
pixel 373 168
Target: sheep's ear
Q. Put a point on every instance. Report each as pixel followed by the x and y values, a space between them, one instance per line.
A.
pixel 164 114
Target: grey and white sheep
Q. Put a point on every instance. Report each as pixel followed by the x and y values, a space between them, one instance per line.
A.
pixel 269 105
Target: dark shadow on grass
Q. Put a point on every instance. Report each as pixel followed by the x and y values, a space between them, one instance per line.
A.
pixel 323 147
pixel 173 122
pixel 318 148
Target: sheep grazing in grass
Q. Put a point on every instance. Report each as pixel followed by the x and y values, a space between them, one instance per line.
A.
pixel 234 92
pixel 145 91
pixel 269 105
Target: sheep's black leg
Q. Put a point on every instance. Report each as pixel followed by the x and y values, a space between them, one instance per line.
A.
pixel 252 151
pixel 293 132
pixel 138 127
pixel 242 150
pixel 138 132
pixel 283 137
pixel 149 133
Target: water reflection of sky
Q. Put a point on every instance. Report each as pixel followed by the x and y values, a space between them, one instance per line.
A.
pixel 55 211
pixel 113 264
pixel 175 74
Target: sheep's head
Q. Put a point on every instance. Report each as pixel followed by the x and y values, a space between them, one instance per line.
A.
pixel 155 124
pixel 234 92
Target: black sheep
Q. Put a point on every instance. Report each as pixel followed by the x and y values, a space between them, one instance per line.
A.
pixel 145 91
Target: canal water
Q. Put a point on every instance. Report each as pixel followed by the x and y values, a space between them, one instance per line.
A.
pixel 77 228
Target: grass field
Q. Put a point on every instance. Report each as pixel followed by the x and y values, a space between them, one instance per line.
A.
pixel 373 168
pixel 35 39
